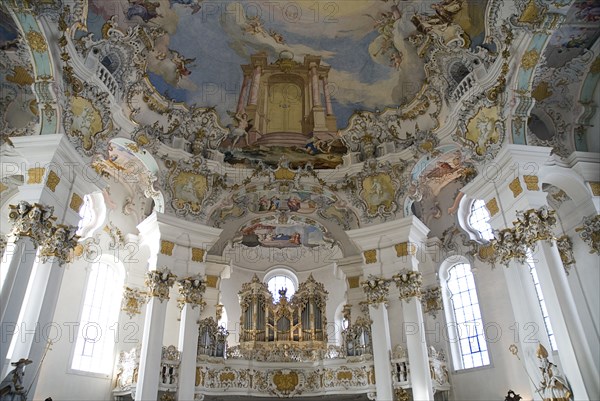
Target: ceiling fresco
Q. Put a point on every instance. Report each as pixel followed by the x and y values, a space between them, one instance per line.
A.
pixel 367 44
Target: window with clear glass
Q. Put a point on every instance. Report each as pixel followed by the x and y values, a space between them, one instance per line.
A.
pixel 98 326
pixel 467 317
pixel 541 302
pixel 280 282
pixel 479 218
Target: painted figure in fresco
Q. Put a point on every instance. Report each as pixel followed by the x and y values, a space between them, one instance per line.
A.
pixel 294 204
pixel 240 129
pixel 554 386
pixel 181 64
pixel 144 9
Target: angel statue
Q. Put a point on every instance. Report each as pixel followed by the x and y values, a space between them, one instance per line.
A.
pixel 554 386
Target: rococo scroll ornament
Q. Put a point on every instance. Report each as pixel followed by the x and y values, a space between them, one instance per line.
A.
pixel 409 284
pixel 565 249
pixel 376 289
pixel 590 232
pixel 133 299
pixel 159 282
pixel 431 299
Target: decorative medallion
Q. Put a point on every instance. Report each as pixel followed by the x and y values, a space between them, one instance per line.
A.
pixel 76 202
pixel 492 206
pixel 166 247
pixel 198 254
pixel 531 182
pixel 515 187
pixel 52 181
pixel 370 256
pixel 405 249
pixel 285 381
pixel 35 175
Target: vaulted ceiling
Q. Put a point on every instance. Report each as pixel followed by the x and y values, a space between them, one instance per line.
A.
pixel 286 124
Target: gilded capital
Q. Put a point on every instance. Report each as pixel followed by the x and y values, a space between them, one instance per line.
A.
pixel 376 289
pixel 159 282
pixel 191 290
pixel 409 283
pixel 31 220
pixel 60 242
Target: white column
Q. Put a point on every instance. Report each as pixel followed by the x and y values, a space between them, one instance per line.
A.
pixel 382 346
pixel 20 255
pixel 191 290
pixel 158 283
pixel 568 331
pixel 418 358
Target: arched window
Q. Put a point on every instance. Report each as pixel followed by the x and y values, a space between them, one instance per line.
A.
pixel 478 220
pixel 467 339
pixel 279 279
pixel 94 347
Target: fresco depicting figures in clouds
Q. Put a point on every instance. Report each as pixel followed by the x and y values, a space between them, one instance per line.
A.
pixel 286 77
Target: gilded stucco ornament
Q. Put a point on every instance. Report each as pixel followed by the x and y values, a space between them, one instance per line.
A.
pixel 565 248
pixel 431 299
pixel 590 232
pixel 191 187
pixel 159 282
pixel 31 220
pixel 377 188
pixel 60 243
pixel 376 290
pixel 191 290
pixel 133 300
pixel 409 283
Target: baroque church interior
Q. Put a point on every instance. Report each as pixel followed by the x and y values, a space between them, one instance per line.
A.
pixel 336 199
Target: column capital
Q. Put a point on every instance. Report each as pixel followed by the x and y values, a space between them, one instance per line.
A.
pixel 376 289
pixel 409 283
pixel 59 242
pixel 159 282
pixel 191 290
pixel 531 226
pixel 31 220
